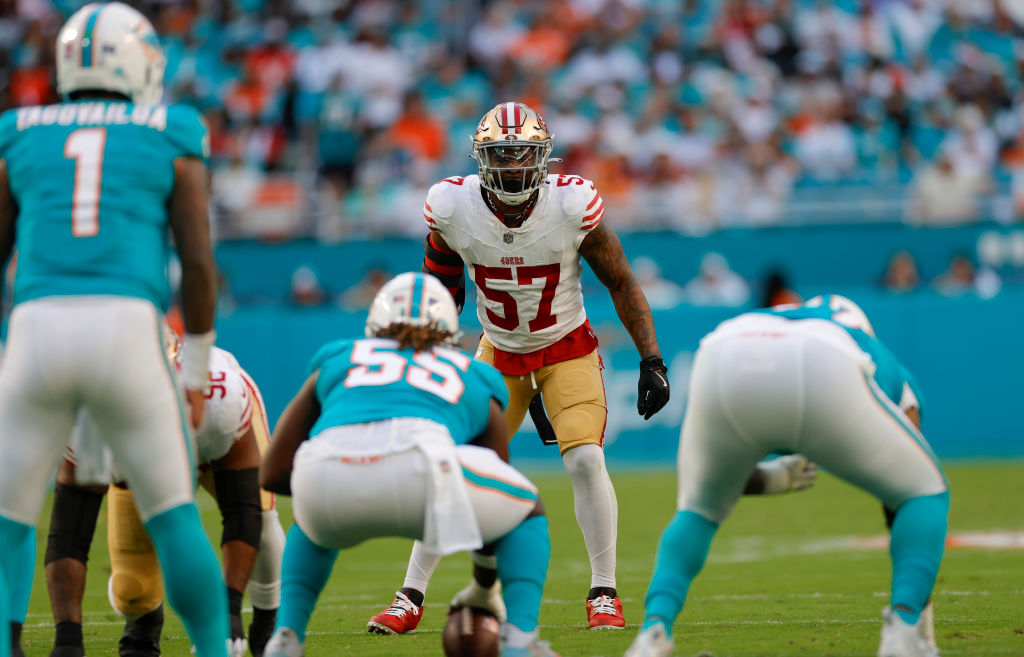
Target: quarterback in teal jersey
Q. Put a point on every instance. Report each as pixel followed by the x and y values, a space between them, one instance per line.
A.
pixel 811 379
pixel 401 434
pixel 88 190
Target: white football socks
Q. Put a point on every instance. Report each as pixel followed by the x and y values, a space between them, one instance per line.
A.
pixel 421 566
pixel 597 510
pixel 265 582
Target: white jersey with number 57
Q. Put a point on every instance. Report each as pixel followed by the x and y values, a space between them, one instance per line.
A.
pixel 527 278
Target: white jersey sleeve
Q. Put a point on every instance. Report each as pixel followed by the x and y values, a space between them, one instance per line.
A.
pixel 229 407
pixel 440 203
pixel 582 204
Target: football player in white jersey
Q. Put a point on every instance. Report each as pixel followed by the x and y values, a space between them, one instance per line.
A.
pixel 811 379
pixel 229 442
pixel 522 233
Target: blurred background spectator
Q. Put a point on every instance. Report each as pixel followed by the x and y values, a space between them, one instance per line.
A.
pixel 661 293
pixel 943 195
pixel 330 119
pixel 716 284
pixel 901 273
pixel 360 296
pixel 963 277
pixel 306 291
pixel 776 290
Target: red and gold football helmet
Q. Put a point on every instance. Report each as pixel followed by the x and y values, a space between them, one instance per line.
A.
pixel 512 146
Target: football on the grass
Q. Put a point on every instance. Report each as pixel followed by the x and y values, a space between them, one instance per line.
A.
pixel 471 632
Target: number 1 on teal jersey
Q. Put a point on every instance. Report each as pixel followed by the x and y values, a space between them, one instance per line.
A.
pixel 85 147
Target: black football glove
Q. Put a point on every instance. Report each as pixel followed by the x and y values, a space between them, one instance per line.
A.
pixel 460 296
pixel 652 388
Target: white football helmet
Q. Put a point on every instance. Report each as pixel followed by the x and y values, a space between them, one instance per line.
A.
pixel 110 47
pixel 512 146
pixel 844 311
pixel 413 298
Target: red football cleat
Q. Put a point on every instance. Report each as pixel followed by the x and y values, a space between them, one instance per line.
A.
pixel 402 616
pixel 605 613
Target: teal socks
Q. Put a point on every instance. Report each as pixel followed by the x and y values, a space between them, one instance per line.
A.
pixel 916 544
pixel 13 598
pixel 19 583
pixel 684 547
pixel 304 573
pixel 523 556
pixel 195 586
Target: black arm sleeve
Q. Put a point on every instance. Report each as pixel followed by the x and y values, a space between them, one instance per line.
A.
pixel 238 497
pixel 448 267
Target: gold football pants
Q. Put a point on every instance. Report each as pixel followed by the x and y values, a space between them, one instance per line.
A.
pixel 573 394
pixel 136 586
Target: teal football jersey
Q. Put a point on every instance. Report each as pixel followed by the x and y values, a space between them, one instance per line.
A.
pixel 372 379
pixel 890 374
pixel 92 180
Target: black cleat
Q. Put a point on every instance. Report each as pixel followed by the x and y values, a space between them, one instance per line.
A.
pixel 141 637
pixel 63 651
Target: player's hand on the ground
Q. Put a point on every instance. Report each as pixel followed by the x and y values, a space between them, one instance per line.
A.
pixel 238 647
pixel 652 388
pixel 475 595
pixel 196 406
pixel 788 473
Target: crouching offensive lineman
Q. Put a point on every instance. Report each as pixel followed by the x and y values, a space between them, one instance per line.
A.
pixel 229 442
pixel 401 434
pixel 811 379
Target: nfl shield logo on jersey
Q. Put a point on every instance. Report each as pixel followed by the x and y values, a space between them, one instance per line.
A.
pixel 508 238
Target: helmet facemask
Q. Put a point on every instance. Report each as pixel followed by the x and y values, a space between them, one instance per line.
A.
pixel 513 170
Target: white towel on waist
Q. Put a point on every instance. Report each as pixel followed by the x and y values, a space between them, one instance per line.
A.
pixel 450 524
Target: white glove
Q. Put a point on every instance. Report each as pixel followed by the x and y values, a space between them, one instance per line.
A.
pixel 490 599
pixel 787 473
pixel 238 647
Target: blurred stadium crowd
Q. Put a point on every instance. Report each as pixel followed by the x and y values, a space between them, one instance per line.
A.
pixel 331 117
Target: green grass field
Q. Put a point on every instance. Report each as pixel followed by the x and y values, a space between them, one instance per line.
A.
pixel 786 576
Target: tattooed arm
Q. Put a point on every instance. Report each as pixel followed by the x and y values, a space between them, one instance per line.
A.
pixel 603 252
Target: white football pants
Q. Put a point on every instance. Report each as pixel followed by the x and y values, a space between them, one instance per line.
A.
pixel 340 503
pixel 755 392
pixel 104 354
